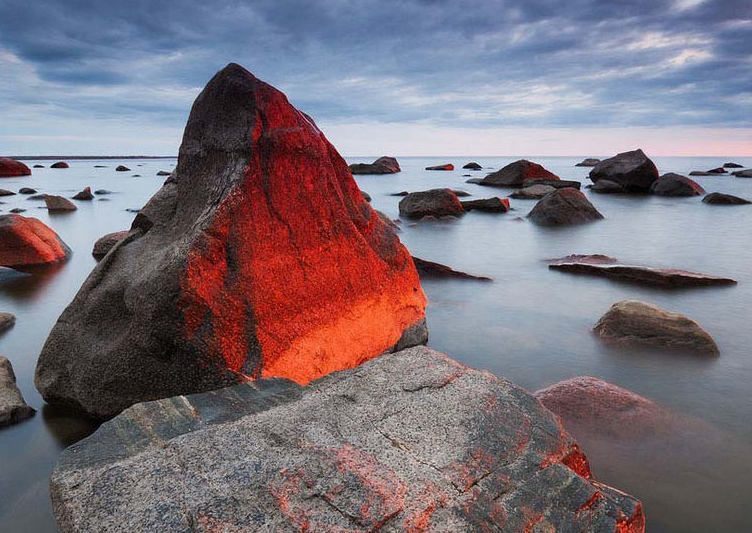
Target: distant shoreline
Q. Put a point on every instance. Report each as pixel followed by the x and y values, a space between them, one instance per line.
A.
pixel 88 157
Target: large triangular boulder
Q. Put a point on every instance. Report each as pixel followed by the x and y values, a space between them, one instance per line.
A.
pixel 258 258
pixel 634 171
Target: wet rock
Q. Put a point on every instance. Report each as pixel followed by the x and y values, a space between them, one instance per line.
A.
pixel 13 408
pixel 676 185
pixel 6 192
pixel 402 193
pixel 100 166
pixel 7 321
pixel 476 181
pixel 429 269
pixel 17 210
pixel 564 207
pixel 635 323
pixel 407 442
pixel 634 171
pixel 60 164
pixel 163 173
pixel 712 172
pixel 608 267
pixel 517 173
pixel 102 191
pixel 26 241
pixel 38 166
pixel 732 165
pixel 491 205
pixel 472 166
pixel 719 198
pixel 743 173
pixel 136 176
pixel 383 165
pixel 607 187
pixel 84 195
pixel 10 168
pixel 58 203
pixel 122 168
pixel 532 192
pixel 261 260
pixel 27 190
pixel 105 243
pixel 447 166
pixel 556 184
pixel 434 202
pixel 588 162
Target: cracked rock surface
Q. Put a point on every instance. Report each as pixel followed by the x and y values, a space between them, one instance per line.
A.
pixel 408 441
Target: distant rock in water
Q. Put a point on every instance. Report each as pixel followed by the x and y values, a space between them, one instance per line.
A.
pixel 476 181
pixel 7 321
pixel 517 173
pixel 556 184
pixel 564 207
pixel 383 165
pixel 712 172
pixel 10 168
pixel 259 258
pixel 26 241
pixel 100 166
pixel 58 203
pixel 676 185
pixel 743 173
pixel 608 267
pixel 447 166
pixel 102 191
pixel 472 166
pixel 635 323
pixel 84 195
pixel 27 190
pixel 532 192
pixel 6 192
pixel 634 171
pixel 407 442
pixel 105 243
pixel 37 196
pixel 38 166
pixel 163 173
pixel 491 205
pixel 588 162
pixel 13 408
pixel 59 164
pixel 434 202
pixel 17 210
pixel 732 165
pixel 719 198
pixel 429 269
pixel 122 168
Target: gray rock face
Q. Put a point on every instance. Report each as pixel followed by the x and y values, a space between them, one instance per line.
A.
pixel 58 203
pixel 434 202
pixel 383 165
pixel 564 207
pixel 634 171
pixel 407 442
pixel 533 192
pixel 719 198
pixel 13 408
pixel 631 322
pixel 105 243
pixel 672 184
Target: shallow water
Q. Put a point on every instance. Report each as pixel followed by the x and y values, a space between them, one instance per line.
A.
pixel 530 325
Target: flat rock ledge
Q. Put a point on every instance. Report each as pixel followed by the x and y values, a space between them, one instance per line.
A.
pixel 411 441
pixel 430 270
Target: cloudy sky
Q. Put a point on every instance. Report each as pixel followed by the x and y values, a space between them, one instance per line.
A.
pixel 405 77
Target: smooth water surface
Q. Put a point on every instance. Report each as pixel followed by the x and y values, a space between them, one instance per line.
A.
pixel 530 325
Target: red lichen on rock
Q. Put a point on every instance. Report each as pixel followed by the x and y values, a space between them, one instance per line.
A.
pixel 10 168
pixel 26 241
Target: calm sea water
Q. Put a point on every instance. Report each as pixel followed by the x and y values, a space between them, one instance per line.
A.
pixel 530 325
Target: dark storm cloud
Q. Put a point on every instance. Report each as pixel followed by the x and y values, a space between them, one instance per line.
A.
pixel 483 63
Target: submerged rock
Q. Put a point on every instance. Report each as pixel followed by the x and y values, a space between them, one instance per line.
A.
pixel 433 202
pixel 633 171
pixel 635 323
pixel 58 203
pixel 38 166
pixel 517 173
pixel 532 192
pixel 13 408
pixel 564 207
pixel 447 166
pixel 122 168
pixel 17 210
pixel 10 168
pixel 105 243
pixel 472 166
pixel 407 442
pixel 383 165
pixel 491 205
pixel 676 185
pixel 588 162
pixel 429 269
pixel 719 198
pixel 476 181
pixel 260 258
pixel 26 241
pixel 84 195
pixel 60 164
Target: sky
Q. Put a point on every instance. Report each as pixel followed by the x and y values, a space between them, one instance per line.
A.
pixel 399 77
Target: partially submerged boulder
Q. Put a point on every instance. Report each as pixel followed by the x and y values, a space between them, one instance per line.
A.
pixel 84 195
pixel 712 172
pixel 446 166
pixel 588 162
pixel 430 269
pixel 491 205
pixel 13 407
pixel 743 173
pixel 635 323
pixel 564 207
pixel 58 203
pixel 407 442
pixel 634 171
pixel 672 184
pixel 259 258
pixel 10 168
pixel 26 241
pixel 60 164
pixel 472 166
pixel 532 192
pixel 122 168
pixel 732 165
pixel 105 243
pixel 719 198
pixel 517 173
pixel 433 202
pixel 383 165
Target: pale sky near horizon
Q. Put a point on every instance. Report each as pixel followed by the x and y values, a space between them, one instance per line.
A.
pixel 401 77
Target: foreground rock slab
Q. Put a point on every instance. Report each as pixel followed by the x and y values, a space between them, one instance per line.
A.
pixel 13 408
pixel 656 277
pixel 433 202
pixel 633 171
pixel 431 270
pixel 383 165
pixel 564 207
pixel 10 168
pixel 26 241
pixel 407 442
pixel 259 258
pixel 635 323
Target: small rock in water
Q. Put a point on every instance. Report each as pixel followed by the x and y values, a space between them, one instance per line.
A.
pixel 121 168
pixel 102 191
pixel 556 184
pixel 100 166
pixel 460 193
pixel 588 162
pixel 27 190
pixel 38 166
pixel 7 321
pixel 476 181
pixel 133 210
pixel 6 192
pixel 84 195
pixel 564 207
pixel 635 323
pixel 447 166
pixel 676 185
pixel 58 203
pixel 491 205
pixel 517 173
pixel 472 166
pixel 136 176
pixel 532 192
pixel 13 408
pixel 402 193
pixel 732 165
pixel 743 173
pixel 711 172
pixel 59 164
pixel 383 165
pixel 163 173
pixel 429 269
pixel 719 198
pixel 434 202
